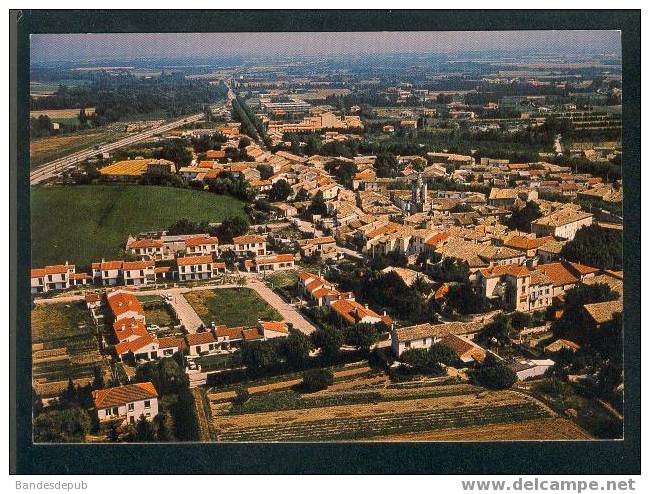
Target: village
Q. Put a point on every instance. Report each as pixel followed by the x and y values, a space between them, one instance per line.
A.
pixel 411 274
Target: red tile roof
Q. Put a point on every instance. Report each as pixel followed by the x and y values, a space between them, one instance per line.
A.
pixel 121 395
pixel 192 260
pixel 122 302
pixel 194 241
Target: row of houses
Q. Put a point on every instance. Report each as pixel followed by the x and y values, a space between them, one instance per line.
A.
pixel 196 262
pixel 134 341
pixel 324 294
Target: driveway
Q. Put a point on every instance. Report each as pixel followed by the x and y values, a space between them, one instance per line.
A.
pixel 186 314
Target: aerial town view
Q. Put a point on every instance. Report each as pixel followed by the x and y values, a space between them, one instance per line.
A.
pixel 330 237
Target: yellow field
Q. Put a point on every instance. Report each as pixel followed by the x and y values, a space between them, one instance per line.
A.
pixel 131 168
pixel 63 114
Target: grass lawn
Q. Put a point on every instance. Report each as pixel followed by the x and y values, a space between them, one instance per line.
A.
pixel 82 224
pixel 231 306
pixel 157 312
pixel 64 320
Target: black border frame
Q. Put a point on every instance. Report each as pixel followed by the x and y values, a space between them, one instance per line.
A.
pixel 563 457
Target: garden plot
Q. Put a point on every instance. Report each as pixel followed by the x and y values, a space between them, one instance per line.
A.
pixel 64 346
pixel 359 428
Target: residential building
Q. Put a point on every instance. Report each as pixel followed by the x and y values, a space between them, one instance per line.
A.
pixel 146 248
pixel 466 349
pixel 138 272
pixel 254 244
pixel 193 268
pixel 425 335
pixel 126 404
pixel 264 264
pixel 202 246
pixel 57 277
pixel 563 223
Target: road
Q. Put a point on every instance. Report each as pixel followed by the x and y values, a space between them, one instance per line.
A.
pixel 54 168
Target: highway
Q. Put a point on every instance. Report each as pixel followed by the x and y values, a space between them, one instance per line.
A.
pixel 54 168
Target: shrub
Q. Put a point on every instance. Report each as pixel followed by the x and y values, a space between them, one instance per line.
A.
pixel 494 374
pixel 242 396
pixel 316 380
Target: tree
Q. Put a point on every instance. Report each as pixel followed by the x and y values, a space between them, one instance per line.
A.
pixel 450 269
pixel 113 434
pixel 296 348
pixel 494 374
pixel 175 150
pixel 387 165
pixel 419 361
pixel 329 341
pixel 316 380
pixel 462 299
pixel 62 426
pixel 573 321
pixel 37 403
pixel 234 226
pixel 318 205
pixel 98 378
pixel 499 332
pixel 442 354
pixel 596 246
pixel 69 396
pixel 166 375
pixel 280 190
pixel 520 219
pixel 144 430
pixel 259 354
pixel 363 336
pixel 265 170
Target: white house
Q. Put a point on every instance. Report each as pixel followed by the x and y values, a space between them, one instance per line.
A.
pixel 139 272
pixel 250 243
pixel 107 273
pixel 195 268
pixel 126 404
pixel 563 223
pixel 202 246
pixel 125 305
pixel 531 368
pixel 55 277
pixel 146 248
pixel 425 335
pixel 263 264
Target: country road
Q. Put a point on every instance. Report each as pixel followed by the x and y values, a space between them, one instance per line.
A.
pixel 54 168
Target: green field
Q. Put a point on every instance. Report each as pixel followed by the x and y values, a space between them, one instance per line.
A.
pixel 82 224
pixel 231 306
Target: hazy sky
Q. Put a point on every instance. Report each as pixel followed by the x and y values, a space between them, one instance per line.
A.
pixel 46 47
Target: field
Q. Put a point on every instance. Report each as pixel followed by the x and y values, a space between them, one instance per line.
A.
pixel 63 346
pixel 82 224
pixel 231 306
pixel 46 149
pixel 61 115
pixel 366 407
